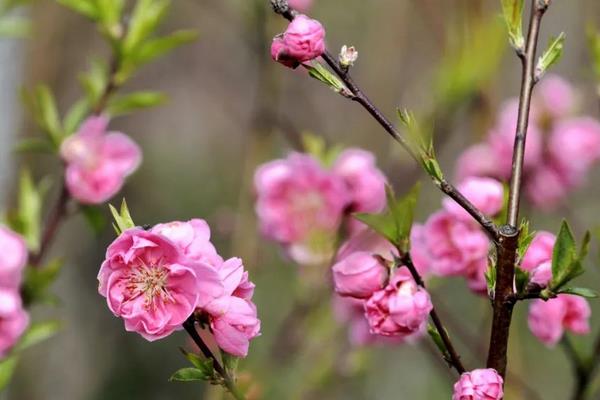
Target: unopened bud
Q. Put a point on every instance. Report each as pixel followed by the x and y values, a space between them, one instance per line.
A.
pixel 348 55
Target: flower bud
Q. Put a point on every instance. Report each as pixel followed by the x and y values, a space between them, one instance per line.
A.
pixel 359 275
pixel 479 384
pixel 303 40
pixel 348 55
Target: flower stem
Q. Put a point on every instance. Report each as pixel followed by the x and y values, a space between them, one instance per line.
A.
pixel 190 326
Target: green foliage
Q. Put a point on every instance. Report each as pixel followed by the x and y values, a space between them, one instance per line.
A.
pixel 123 220
pixel 583 292
pixel 35 145
pixel 490 279
pixel 37 333
pixel 94 217
pixel 567 261
pixel 513 16
pixel 594 45
pixel 7 368
pixel 551 55
pixel 322 74
pixel 37 282
pixel 42 105
pixel 315 146
pixel 395 224
pixel 134 101
pixel 437 340
pixel 521 279
pixel 203 370
pixel 11 25
pixel 525 238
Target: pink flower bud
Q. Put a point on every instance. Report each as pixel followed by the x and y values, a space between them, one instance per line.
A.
pixel 542 274
pixel 13 258
pixel 479 384
pixel 13 319
pixel 303 40
pixel 366 183
pixel 549 319
pixel 98 162
pixel 152 285
pixel 300 5
pixel 539 251
pixel 359 275
pixel 485 193
pixel 400 309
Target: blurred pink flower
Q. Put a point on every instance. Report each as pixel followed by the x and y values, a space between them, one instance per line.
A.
pixel 193 239
pixel 539 251
pixel 98 162
pixel 13 319
pixel 366 183
pixel 359 275
pixel 549 319
pixel 542 274
pixel 13 257
pixel 486 194
pixel 303 40
pixel 152 286
pixel 545 187
pixel 555 98
pixel 366 240
pixel 300 5
pixel 400 309
pixel 479 384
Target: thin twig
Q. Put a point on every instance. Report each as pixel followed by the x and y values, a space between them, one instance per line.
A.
pixel 454 360
pixel 361 98
pixel 190 326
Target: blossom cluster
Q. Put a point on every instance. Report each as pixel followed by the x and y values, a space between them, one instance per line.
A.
pixel 301 204
pixel 13 317
pixel 561 146
pixel 156 279
pixel 97 161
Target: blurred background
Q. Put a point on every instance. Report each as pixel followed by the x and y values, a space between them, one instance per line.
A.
pixel 230 109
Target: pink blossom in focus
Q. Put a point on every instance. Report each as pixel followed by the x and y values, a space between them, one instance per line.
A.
pixel 303 40
pixel 359 275
pixel 366 183
pixel 479 384
pixel 13 319
pixel 300 204
pixel 300 5
pixel 400 309
pixel 97 162
pixel 193 239
pixel 486 194
pixel 278 53
pixel 549 319
pixel 454 245
pixel 13 257
pixel 152 286
pixel 539 251
pixel 542 274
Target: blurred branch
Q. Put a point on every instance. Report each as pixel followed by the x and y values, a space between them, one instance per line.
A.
pixel 584 370
pixel 357 95
pixel 509 234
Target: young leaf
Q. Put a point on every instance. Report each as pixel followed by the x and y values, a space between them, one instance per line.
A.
pixel 525 238
pixel 135 101
pixel 490 279
pixel 189 375
pixel 122 218
pixel 565 262
pixel 29 212
pixel 551 56
pixel 154 48
pixel 513 16
pixel 42 105
pixel 14 27
pixel 323 75
pixel 146 16
pixel 86 8
pixel 75 116
pixel 38 332
pixel 95 218
pixel 94 81
pixel 403 213
pixel 437 340
pixel 7 368
pixel 38 280
pixel 383 224
pixel 594 44
pixel 521 279
pixel 583 292
pixel 35 145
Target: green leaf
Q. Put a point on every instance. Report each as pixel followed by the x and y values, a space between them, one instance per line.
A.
pixel 7 368
pixel 490 279
pixel 521 279
pixel 29 212
pixel 37 333
pixel 594 45
pixel 189 375
pixel 75 116
pixel 154 48
pixel 583 292
pixel 122 218
pixel 38 281
pixel 109 12
pixel 565 262
pixel 437 340
pixel 525 238
pixel 551 56
pixel 34 145
pixel 86 8
pixel 94 217
pixel 42 105
pixel 14 27
pixel 94 81
pixel 322 74
pixel 146 16
pixel 135 101
pixel 383 224
pixel 513 16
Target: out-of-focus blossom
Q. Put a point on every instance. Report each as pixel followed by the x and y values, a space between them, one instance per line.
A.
pixel 545 187
pixel 400 309
pixel 366 240
pixel 13 257
pixel 548 320
pixel 303 40
pixel 97 161
pixel 479 384
pixel 13 319
pixel 359 275
pixel 152 286
pixel 555 99
pixel 539 251
pixel 542 274
pixel 301 5
pixel 486 194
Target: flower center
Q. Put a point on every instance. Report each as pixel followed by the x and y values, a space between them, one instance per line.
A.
pixel 150 281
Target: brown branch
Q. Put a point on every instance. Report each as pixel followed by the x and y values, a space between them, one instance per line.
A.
pixel 503 301
pixel 361 98
pixel 190 327
pixel 454 360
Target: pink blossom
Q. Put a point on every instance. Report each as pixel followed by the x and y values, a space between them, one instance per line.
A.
pixel 539 251
pixel 98 162
pixel 303 40
pixel 300 205
pixel 366 183
pixel 475 276
pixel 300 5
pixel 152 286
pixel 454 245
pixel 574 146
pixel 545 187
pixel 400 309
pixel 13 257
pixel 419 250
pixel 542 274
pixel 478 160
pixel 549 319
pixel 479 384
pixel 486 194
pixel 359 275
pixel 555 97
pixel 366 240
pixel 13 319
pixel 192 238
